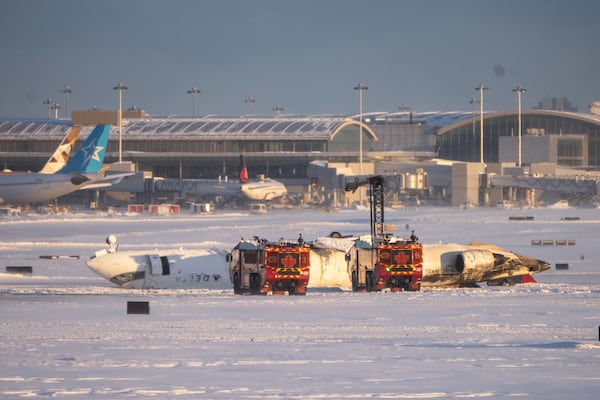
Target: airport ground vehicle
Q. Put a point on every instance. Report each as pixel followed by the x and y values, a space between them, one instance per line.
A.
pixel 384 262
pixel 261 267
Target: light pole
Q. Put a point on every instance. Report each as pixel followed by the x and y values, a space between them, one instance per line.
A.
pixel 193 91
pixel 360 87
pixel 519 90
pixel 481 88
pixel 250 101
pixel 56 107
pixel 120 87
pixel 277 109
pixel 473 101
pixel 67 91
pixel 49 101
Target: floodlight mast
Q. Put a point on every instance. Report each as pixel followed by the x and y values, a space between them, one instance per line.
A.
pixel 278 109
pixel 250 101
pixel 519 90
pixel 49 102
pixel 194 91
pixel 360 87
pixel 481 88
pixel 473 101
pixel 56 107
pixel 120 87
pixel 67 91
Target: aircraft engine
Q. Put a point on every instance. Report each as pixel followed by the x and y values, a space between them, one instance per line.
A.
pixel 474 260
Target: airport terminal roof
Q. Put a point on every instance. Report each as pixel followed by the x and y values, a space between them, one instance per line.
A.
pixel 33 127
pixel 323 127
pixel 264 128
pixel 283 127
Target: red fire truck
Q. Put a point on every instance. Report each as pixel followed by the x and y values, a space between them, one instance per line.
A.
pixel 384 262
pixel 261 267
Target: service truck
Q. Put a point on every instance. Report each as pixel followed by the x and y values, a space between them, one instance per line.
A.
pixel 383 261
pixel 258 266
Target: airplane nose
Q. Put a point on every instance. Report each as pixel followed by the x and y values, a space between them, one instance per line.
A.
pixel 98 265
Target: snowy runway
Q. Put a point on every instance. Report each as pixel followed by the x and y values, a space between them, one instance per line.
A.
pixel 65 332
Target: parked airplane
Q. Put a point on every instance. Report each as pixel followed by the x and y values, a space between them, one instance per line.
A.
pixel 265 189
pixel 444 265
pixel 262 190
pixel 83 169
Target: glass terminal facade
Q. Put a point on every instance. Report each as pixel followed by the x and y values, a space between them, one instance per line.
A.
pixel 283 146
pixel 461 141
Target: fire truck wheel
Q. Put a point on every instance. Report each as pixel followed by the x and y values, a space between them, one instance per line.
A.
pixel 236 284
pixel 369 281
pixel 354 282
pixel 255 283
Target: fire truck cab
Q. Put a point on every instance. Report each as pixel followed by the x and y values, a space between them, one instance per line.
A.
pixel 394 264
pixel 261 267
pixel 386 261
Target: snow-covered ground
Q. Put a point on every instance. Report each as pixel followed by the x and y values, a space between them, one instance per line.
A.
pixel 65 332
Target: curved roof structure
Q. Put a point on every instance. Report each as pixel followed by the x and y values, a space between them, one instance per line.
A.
pixel 34 127
pixel 462 140
pixel 209 128
pixel 588 118
pixel 255 128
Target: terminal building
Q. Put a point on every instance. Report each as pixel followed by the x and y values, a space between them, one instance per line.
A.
pixel 434 154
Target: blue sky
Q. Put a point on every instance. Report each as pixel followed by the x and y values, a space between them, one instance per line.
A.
pixel 305 55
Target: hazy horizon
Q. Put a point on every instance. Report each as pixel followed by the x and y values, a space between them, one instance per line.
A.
pixel 304 56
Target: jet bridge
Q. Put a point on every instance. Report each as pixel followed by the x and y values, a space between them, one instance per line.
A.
pixel 570 184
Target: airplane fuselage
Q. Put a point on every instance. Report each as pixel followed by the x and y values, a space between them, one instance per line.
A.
pixel 263 190
pixel 20 188
pixel 207 269
pixel 444 265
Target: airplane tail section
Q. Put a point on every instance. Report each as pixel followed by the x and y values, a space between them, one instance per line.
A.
pixel 90 156
pixel 61 155
pixel 243 170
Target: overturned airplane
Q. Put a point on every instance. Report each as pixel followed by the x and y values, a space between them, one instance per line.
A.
pixel 442 266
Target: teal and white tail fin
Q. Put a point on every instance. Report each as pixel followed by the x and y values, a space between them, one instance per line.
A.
pixel 90 156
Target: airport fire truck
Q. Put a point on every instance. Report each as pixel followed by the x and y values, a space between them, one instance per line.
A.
pixel 384 261
pixel 261 267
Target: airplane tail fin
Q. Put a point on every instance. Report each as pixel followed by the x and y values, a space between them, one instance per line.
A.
pixel 61 155
pixel 243 170
pixel 90 156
